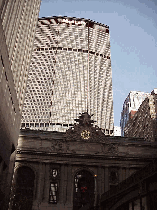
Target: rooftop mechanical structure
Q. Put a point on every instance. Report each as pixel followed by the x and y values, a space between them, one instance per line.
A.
pixel 70 73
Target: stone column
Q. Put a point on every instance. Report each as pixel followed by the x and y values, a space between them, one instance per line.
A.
pixel 99 181
pixel 40 183
pixel 106 179
pixel 123 174
pixel 61 194
pixel 65 185
pixel 99 185
pixel 102 181
pixel 127 173
pixel 46 184
pixel 69 185
pixel 120 175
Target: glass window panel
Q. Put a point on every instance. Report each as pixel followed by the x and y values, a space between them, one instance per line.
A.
pixel 53 193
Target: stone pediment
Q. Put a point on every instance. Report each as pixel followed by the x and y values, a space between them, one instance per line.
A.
pixel 84 130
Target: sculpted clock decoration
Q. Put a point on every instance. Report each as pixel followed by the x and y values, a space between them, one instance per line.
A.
pixel 85 134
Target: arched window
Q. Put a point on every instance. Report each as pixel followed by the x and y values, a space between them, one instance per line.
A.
pixel 24 187
pixel 83 190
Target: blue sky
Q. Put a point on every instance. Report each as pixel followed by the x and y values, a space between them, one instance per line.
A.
pixel 133 37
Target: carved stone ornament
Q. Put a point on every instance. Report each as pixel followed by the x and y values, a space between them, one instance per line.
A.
pixel 112 149
pixel 84 131
pixel 57 146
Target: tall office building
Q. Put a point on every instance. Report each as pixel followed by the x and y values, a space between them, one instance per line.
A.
pixel 144 122
pixel 18 21
pixel 130 107
pixel 70 73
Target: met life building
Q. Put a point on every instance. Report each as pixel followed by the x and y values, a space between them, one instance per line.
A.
pixel 70 73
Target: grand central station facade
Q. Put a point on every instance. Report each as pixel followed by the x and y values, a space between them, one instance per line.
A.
pixel 83 168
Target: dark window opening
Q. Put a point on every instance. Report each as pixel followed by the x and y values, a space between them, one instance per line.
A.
pixel 36 124
pixel 83 190
pixel 46 124
pixel 23 125
pixel 23 191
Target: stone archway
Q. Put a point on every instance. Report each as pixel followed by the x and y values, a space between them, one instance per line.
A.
pixel 24 188
pixel 83 197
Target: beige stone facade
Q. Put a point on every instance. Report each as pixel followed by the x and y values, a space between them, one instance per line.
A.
pixel 144 122
pixel 60 159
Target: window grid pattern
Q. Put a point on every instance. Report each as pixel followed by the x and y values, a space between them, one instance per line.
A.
pixel 57 87
pixel 53 192
pixel 19 23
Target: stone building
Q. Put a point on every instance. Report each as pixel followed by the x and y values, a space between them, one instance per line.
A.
pixel 71 170
pixel 137 192
pixel 144 122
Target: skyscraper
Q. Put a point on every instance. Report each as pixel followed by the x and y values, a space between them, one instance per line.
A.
pixel 144 123
pixel 70 73
pixel 18 21
pixel 130 107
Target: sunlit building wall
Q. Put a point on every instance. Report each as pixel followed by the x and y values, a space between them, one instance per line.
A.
pixel 117 131
pixel 70 73
pixel 18 19
pixel 130 106
pixel 144 122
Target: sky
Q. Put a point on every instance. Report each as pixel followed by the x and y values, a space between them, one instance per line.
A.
pixel 133 39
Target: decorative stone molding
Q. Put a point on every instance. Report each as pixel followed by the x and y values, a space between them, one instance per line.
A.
pixel 57 146
pixel 85 124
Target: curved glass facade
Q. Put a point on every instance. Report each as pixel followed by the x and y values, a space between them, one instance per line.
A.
pixel 70 73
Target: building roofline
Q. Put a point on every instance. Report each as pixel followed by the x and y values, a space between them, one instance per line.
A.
pixel 74 18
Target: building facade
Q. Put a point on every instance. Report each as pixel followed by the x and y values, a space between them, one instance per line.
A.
pixel 18 20
pixel 137 192
pixel 72 169
pixel 130 107
pixel 117 131
pixel 144 122
pixel 70 73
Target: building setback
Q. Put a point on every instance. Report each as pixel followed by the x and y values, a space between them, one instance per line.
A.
pixel 144 122
pixel 70 73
